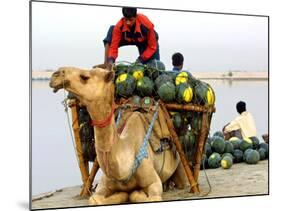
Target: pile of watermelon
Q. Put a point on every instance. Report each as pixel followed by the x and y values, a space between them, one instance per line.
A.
pixel 224 153
pixel 141 82
pixel 152 80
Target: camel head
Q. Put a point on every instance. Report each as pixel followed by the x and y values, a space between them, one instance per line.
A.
pixel 87 85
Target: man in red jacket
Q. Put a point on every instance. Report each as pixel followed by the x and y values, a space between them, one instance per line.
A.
pixel 132 29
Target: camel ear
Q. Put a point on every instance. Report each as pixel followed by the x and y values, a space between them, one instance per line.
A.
pixel 109 76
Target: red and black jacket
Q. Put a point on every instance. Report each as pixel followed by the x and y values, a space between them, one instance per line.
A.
pixel 143 33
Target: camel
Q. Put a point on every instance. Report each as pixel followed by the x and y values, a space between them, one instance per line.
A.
pixel 116 153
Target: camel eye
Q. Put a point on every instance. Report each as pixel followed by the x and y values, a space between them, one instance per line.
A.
pixel 84 78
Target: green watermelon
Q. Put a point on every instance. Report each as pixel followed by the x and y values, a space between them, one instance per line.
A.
pixel 237 156
pixel 161 79
pixel 156 64
pixel 226 162
pixel 203 93
pixel 214 160
pixel 177 120
pixel 188 140
pixel 219 133
pixel 252 157
pixel 218 144
pixel 228 147
pixel 246 143
pixel 137 71
pixel 255 141
pixel 145 86
pixel 196 121
pixel 208 149
pixel 172 74
pixel 184 93
pixel 121 68
pixel 262 153
pixel 136 100
pixel 227 154
pixel 167 92
pixel 125 85
pixel 246 153
pixel 235 142
pixel 182 78
pixel 265 146
pixel 209 140
pixel 154 68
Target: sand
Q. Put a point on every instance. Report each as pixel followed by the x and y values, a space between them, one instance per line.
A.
pixel 240 180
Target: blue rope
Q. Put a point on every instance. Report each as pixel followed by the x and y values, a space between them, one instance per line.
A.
pixel 143 153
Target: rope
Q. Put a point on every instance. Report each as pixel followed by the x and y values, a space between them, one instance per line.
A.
pixel 142 153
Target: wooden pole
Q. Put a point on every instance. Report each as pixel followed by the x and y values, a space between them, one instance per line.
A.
pixel 87 188
pixel 75 127
pixel 201 143
pixel 196 108
pixel 184 159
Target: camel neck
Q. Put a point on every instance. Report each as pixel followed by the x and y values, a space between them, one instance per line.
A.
pixel 105 137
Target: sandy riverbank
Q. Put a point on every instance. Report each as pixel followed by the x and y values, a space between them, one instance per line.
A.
pixel 241 180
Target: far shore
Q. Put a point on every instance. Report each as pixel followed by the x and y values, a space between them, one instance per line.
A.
pixel 229 75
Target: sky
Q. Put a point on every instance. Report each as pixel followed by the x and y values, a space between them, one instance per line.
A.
pixel 71 35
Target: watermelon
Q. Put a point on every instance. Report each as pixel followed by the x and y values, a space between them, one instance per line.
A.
pixel 121 68
pixel 228 147
pixel 177 120
pixel 145 86
pixel 172 74
pixel 137 71
pixel 226 162
pixel 154 68
pixel 235 142
pixel 167 92
pixel 218 144
pixel 161 79
pixel 188 141
pixel 125 85
pixel 214 160
pixel 184 93
pixel 208 149
pixel 262 153
pixel 218 133
pixel 156 64
pixel 237 156
pixel 252 157
pixel 182 78
pixel 203 93
pixel 227 154
pixel 196 122
pixel 245 144
pixel 136 100
pixel 255 141
pixel 246 153
pixel 265 146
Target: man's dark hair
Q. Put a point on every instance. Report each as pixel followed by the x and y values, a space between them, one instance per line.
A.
pixel 129 12
pixel 177 59
pixel 241 107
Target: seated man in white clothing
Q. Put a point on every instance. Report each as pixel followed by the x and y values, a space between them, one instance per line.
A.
pixel 244 123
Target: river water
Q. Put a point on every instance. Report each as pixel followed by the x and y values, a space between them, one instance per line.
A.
pixel 54 164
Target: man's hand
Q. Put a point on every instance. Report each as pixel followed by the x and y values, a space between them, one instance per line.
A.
pixel 139 60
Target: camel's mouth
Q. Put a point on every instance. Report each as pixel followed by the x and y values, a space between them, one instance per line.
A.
pixel 57 86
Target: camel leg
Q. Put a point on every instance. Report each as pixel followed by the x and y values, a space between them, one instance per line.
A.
pixel 151 187
pixel 116 198
pixel 179 177
pixel 105 196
